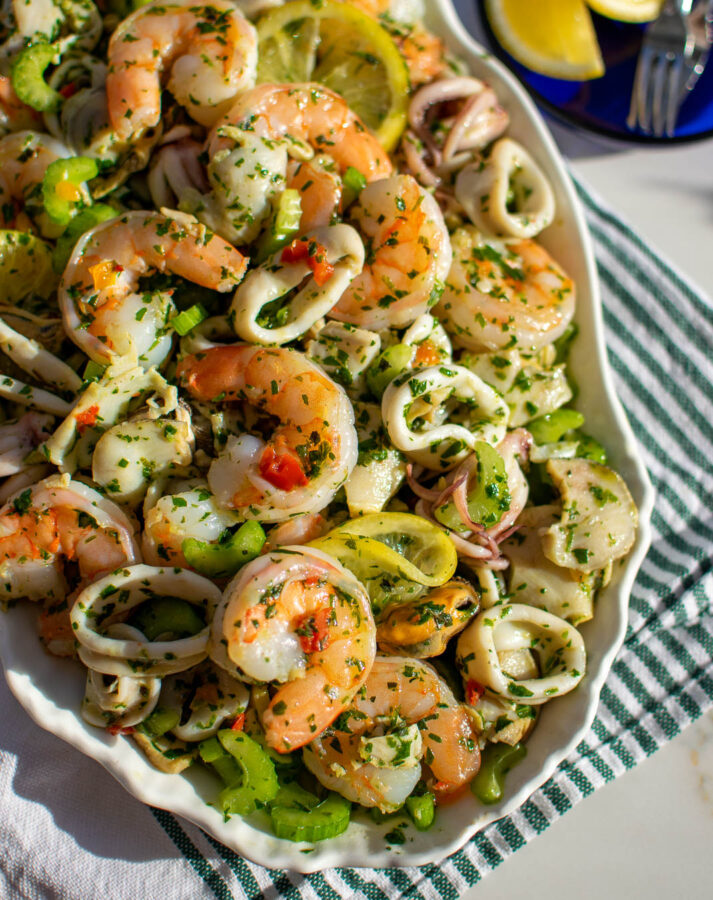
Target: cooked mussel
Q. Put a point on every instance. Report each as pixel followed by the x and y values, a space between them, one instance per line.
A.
pixel 423 626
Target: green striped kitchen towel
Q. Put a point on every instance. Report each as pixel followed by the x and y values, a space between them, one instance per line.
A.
pixel 67 830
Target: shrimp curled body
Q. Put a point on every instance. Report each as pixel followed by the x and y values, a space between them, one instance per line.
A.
pixel 296 617
pixel 504 293
pixel 403 692
pixel 249 147
pixel 24 158
pixel 105 312
pixel 310 454
pixel 408 255
pixel 210 50
pixel 58 520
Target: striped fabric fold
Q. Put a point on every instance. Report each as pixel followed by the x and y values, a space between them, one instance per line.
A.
pixel 659 333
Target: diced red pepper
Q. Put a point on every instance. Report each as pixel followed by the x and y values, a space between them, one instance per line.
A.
pixel 119 729
pixel 314 631
pixel 443 786
pixel 87 418
pixel 239 723
pixel 283 470
pixel 68 90
pixel 427 355
pixel 474 690
pixel 312 253
pixel 105 274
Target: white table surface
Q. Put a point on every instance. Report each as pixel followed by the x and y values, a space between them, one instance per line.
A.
pixel 650 832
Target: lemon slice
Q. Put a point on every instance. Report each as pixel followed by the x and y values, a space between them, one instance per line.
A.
pixel 344 49
pixel 25 267
pixel 396 556
pixel 627 10
pixel 553 37
pixel 423 545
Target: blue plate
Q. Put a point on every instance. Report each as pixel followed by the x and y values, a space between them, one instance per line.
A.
pixel 602 105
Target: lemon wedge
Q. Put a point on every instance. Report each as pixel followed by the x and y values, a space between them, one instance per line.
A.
pixel 344 49
pixel 627 10
pixel 553 37
pixel 25 267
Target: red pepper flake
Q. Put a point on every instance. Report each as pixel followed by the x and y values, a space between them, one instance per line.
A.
pixel 313 631
pixel 68 90
pixel 312 253
pixel 474 690
pixel 443 786
pixel 283 470
pixel 119 729
pixel 238 723
pixel 87 418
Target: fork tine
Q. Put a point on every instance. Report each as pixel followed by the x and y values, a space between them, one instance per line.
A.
pixel 640 93
pixel 659 86
pixel 635 106
pixel 673 102
pixel 667 47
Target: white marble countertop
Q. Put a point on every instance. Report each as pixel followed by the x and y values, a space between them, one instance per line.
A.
pixel 650 830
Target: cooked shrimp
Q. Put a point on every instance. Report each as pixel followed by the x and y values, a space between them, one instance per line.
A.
pixel 300 530
pixel 30 475
pixel 424 52
pixel 404 719
pixel 310 454
pixel 210 51
pixel 191 513
pixel 320 189
pixel 373 8
pixel 504 293
pixel 24 157
pixel 14 114
pixel 312 117
pixel 248 151
pixel 60 519
pixel 106 314
pixel 298 619
pixel 408 255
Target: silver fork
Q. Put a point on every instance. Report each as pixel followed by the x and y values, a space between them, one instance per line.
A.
pixel 668 44
pixel 701 21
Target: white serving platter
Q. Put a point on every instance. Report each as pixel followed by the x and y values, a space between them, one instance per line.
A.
pixel 51 689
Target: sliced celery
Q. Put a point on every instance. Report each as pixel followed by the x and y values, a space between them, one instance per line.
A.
pixel 27 75
pixel 224 558
pixel 316 823
pixel 284 226
pixel 61 187
pixel 489 784
pixel 167 615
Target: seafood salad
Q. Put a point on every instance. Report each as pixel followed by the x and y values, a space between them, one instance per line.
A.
pixel 291 461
